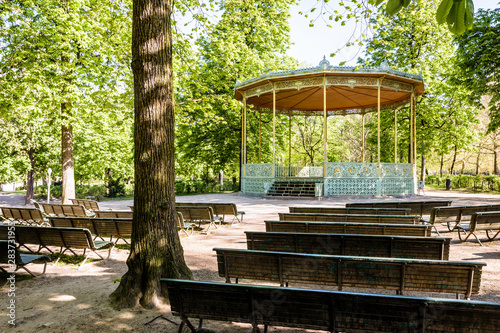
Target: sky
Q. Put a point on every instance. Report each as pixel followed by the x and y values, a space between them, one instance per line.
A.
pixel 311 44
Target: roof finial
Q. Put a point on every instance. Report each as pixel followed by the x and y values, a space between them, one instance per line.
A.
pixel 385 64
pixel 324 63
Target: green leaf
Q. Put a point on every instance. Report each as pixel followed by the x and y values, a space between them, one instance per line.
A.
pixel 457 25
pixel 394 6
pixel 375 2
pixel 443 10
pixel 469 14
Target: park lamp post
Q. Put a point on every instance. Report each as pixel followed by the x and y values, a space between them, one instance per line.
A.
pixel 49 171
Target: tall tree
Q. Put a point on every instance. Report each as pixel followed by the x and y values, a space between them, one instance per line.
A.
pixel 477 57
pixel 411 42
pixel 250 38
pixel 156 250
pixel 61 52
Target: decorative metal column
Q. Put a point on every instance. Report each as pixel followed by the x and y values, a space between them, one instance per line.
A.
pixel 325 129
pixel 395 135
pixel 363 138
pixel 274 132
pixel 260 137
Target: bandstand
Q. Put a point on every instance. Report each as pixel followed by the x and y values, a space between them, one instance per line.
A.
pixel 332 91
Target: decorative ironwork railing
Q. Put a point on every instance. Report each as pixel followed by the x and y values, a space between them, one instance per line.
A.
pixel 333 170
pixel 287 170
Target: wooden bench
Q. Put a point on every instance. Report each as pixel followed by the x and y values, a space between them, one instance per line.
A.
pixel 183 225
pixel 433 248
pixel 355 218
pixel 23 215
pixel 65 238
pixel 64 210
pixel 417 207
pixel 349 228
pixel 9 254
pixel 331 311
pixel 453 216
pixel 350 210
pixel 219 209
pixel 116 214
pixel 198 214
pixel 98 226
pixel 90 205
pixel 487 221
pixel 400 274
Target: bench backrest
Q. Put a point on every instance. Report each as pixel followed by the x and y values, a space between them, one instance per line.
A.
pixel 459 214
pixel 22 214
pixel 349 228
pixel 351 210
pixel 63 210
pixel 218 208
pixel 195 213
pixel 434 248
pixel 332 311
pixel 485 221
pixel 88 204
pixel 61 237
pixel 5 256
pixel 359 218
pixel 420 207
pixel 97 226
pixel 117 214
pixel 457 277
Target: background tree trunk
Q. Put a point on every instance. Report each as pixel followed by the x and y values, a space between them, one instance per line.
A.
pixel 156 250
pixel 30 179
pixel 68 168
pixel 454 160
pixel 422 170
pixel 478 162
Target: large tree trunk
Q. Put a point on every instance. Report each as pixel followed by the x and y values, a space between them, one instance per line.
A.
pixel 31 179
pixel 156 250
pixel 68 168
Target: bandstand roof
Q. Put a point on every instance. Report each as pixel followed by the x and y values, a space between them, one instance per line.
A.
pixel 348 90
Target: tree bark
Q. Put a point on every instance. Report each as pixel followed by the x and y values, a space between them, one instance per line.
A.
pixel 478 162
pixel 156 250
pixel 441 165
pixel 422 170
pixel 30 179
pixel 453 161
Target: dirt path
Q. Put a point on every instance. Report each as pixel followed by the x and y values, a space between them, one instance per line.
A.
pixel 71 300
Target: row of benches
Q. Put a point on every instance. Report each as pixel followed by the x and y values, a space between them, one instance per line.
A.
pixel 480 217
pixel 337 262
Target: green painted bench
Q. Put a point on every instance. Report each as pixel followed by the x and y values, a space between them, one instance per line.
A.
pixel 198 214
pixel 399 274
pixel 66 239
pixel 434 248
pixel 331 311
pixel 23 215
pixel 351 210
pixel 355 218
pixel 10 255
pixel 219 208
pixel 417 207
pixel 99 227
pixel 64 210
pixel 114 214
pixel 483 221
pixel 349 228
pixel 90 205
pixel 453 216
